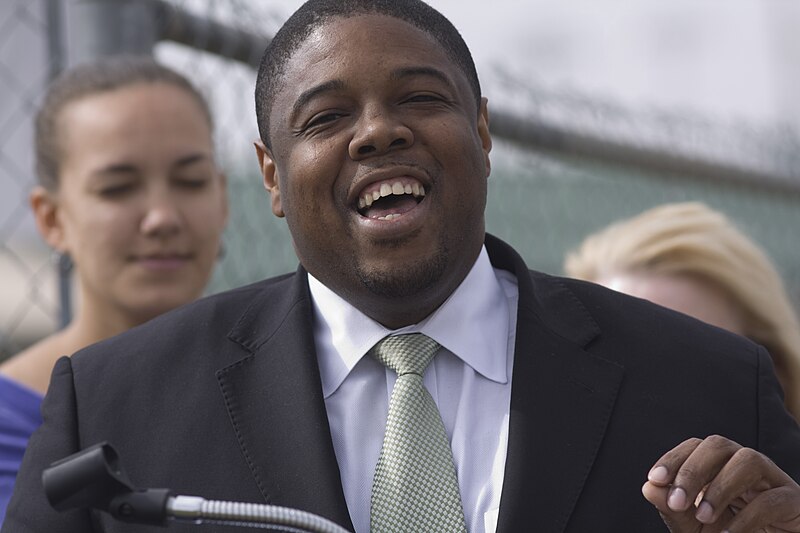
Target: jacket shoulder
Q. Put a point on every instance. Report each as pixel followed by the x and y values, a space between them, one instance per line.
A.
pixel 637 324
pixel 200 327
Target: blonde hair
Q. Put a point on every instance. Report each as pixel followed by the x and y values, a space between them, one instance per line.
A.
pixel 691 239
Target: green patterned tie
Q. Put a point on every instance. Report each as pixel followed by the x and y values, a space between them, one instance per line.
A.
pixel 415 486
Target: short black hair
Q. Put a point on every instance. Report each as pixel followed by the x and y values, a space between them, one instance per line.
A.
pixel 316 13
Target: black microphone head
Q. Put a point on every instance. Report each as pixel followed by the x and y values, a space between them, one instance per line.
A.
pixel 89 478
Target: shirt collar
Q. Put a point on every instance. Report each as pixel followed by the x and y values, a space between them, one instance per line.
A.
pixel 472 324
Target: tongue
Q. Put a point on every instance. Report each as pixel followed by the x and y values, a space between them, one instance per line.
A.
pixel 389 205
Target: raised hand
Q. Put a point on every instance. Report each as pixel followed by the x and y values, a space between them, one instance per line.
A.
pixel 715 485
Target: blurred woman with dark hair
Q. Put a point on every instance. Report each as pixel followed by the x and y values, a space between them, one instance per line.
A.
pixel 130 190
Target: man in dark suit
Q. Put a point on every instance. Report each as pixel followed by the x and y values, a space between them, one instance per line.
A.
pixel 558 398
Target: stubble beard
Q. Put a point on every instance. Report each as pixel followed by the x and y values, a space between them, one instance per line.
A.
pixel 408 280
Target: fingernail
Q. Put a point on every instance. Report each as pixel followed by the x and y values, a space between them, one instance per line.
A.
pixel 659 474
pixel 704 512
pixel 677 499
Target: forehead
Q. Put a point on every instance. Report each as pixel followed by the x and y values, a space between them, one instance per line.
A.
pixel 132 99
pixel 141 122
pixel 378 30
pixel 158 108
pixel 361 48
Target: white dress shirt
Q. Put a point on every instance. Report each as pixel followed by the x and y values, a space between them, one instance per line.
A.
pixel 469 379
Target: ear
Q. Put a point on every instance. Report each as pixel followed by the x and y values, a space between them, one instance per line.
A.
pixel 46 212
pixel 270 172
pixel 483 133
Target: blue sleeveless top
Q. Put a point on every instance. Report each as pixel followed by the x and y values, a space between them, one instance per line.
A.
pixel 19 418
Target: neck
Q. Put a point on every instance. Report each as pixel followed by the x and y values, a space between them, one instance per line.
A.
pixel 89 327
pixel 92 324
pixel 33 366
pixel 98 320
pixel 402 314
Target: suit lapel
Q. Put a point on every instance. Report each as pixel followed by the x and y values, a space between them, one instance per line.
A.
pixel 274 400
pixel 561 400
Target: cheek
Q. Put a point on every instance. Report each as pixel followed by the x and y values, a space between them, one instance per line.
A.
pixel 99 257
pixel 311 185
pixel 468 164
pixel 206 218
pixel 98 230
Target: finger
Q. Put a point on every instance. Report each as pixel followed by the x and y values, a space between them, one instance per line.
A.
pixel 699 469
pixel 680 521
pixel 772 510
pixel 663 472
pixel 746 473
pixel 656 495
pixel 676 521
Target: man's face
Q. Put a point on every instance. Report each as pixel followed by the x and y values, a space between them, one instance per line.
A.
pixel 379 162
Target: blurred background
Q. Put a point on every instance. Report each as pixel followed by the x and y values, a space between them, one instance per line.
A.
pixel 599 110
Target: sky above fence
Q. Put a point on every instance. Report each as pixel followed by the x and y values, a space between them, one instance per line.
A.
pixel 720 58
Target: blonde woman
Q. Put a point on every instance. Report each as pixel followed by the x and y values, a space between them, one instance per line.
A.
pixel 690 258
pixel 129 189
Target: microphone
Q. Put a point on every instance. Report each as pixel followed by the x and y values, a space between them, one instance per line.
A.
pixel 94 478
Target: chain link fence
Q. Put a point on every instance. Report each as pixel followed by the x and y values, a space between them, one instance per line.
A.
pixel 29 302
pixel 564 164
pixel 575 164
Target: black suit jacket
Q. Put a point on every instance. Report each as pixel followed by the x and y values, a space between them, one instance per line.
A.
pixel 222 399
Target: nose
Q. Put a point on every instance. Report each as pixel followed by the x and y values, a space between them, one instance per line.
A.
pixel 378 132
pixel 161 218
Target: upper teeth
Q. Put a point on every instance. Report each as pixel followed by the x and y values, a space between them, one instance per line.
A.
pixel 395 188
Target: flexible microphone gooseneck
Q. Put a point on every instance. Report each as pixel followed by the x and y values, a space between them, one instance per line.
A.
pixel 93 478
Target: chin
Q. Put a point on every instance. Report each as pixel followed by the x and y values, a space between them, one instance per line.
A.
pixel 406 281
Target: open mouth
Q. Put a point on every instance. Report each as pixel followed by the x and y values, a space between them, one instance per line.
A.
pixel 390 199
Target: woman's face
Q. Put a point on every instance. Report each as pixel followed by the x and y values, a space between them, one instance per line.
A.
pixel 141 205
pixel 685 294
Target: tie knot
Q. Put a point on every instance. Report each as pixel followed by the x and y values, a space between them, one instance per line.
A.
pixel 406 354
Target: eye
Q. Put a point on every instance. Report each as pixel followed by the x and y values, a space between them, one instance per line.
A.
pixel 116 190
pixel 322 119
pixel 191 182
pixel 424 98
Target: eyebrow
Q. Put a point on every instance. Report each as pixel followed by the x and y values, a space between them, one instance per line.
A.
pixel 190 159
pixel 127 168
pixel 431 72
pixel 335 85
pixel 116 168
